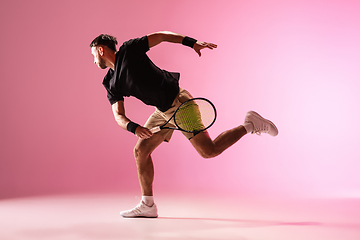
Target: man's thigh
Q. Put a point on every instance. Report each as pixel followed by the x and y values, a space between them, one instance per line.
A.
pixel 202 143
pixel 158 119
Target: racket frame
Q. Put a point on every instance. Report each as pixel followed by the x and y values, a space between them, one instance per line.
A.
pixel 158 128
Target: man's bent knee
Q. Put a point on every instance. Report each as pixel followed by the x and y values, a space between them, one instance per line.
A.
pixel 141 152
pixel 208 153
pixel 204 145
pixel 144 147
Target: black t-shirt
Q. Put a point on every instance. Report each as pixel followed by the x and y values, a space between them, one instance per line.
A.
pixel 136 75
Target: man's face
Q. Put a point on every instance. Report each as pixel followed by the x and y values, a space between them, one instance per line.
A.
pixel 98 56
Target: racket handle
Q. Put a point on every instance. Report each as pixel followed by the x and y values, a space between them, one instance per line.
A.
pixel 155 129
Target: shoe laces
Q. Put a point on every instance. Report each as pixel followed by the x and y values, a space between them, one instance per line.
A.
pixel 136 210
pixel 263 128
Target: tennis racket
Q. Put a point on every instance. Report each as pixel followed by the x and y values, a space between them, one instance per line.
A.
pixel 193 116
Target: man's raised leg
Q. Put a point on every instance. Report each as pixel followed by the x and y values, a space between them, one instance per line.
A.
pixel 208 148
pixel 253 123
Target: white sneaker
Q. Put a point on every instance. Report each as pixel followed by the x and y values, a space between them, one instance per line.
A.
pixel 261 125
pixel 141 210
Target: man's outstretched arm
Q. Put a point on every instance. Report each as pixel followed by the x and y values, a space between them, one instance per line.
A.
pixel 158 37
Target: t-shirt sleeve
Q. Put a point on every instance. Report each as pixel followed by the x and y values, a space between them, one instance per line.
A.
pixel 138 45
pixel 114 98
pixel 113 95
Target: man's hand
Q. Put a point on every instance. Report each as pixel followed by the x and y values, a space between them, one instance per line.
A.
pixel 201 45
pixel 143 133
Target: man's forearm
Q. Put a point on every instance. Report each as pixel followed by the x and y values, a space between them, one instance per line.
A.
pixel 122 121
pixel 135 128
pixel 164 36
pixel 172 37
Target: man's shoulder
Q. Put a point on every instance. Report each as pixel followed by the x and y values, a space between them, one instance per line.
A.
pixel 141 44
pixel 135 40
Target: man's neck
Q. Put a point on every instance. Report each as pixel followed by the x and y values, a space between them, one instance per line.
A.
pixel 111 61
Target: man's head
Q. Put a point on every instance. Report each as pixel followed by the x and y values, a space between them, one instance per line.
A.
pixel 101 47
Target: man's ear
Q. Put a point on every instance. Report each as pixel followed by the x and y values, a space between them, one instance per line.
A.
pixel 101 51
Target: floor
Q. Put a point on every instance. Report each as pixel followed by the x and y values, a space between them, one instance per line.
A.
pixel 95 216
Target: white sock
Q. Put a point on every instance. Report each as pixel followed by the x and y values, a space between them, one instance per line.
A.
pixel 148 200
pixel 249 127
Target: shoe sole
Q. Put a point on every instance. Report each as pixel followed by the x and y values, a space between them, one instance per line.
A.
pixel 137 217
pixel 272 124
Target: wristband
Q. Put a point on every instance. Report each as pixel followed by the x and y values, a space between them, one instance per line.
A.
pixel 188 41
pixel 131 127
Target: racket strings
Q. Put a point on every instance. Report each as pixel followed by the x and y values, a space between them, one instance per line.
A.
pixel 195 115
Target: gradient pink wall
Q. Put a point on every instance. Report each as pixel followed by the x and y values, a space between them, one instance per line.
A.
pixel 295 62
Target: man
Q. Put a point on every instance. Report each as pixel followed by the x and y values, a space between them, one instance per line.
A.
pixel 132 73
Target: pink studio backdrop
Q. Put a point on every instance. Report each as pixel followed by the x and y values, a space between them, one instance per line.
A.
pixel 295 62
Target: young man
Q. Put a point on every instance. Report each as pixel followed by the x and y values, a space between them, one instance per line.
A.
pixel 132 73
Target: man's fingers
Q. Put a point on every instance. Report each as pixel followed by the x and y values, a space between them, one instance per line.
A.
pixel 147 134
pixel 201 45
pixel 208 45
pixel 144 133
pixel 211 45
pixel 144 136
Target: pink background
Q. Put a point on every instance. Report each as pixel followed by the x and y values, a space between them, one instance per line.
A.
pixel 295 62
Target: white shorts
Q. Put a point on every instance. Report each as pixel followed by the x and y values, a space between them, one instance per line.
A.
pixel 159 118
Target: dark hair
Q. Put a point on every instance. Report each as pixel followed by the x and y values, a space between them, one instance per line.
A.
pixel 106 40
